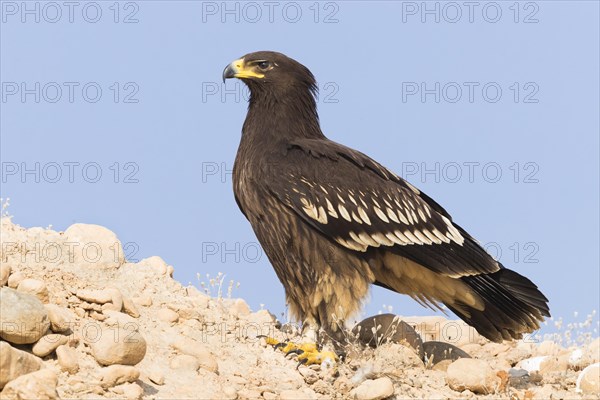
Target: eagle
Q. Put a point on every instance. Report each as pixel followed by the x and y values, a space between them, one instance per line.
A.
pixel 333 221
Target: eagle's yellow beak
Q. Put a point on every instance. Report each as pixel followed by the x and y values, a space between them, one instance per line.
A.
pixel 239 69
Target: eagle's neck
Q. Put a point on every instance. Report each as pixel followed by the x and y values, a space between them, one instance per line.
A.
pixel 278 118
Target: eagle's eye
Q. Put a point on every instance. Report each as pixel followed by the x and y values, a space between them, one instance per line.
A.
pixel 264 65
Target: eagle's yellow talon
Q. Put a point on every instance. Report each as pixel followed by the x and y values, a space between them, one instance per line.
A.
pixel 308 353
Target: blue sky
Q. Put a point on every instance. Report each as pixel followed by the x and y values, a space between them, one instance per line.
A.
pixel 118 112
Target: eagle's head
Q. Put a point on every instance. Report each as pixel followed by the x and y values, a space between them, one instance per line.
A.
pixel 271 72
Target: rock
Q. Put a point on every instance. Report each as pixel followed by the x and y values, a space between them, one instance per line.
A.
pixel 143 300
pixel 14 279
pixel 373 389
pixel 34 287
pixel 119 319
pixel 157 264
pixel 130 308
pixel 239 308
pixel 14 363
pixel 61 319
pixel 119 346
pixel 67 359
pixel 383 328
pixel 95 246
pixel 167 315
pixel 588 381
pixel 440 351
pixel 531 364
pixel 48 343
pixel 110 298
pixel 472 374
pixel 39 385
pixel 518 378
pixel 117 374
pixel 23 318
pixel 185 362
pixel 5 270
pixel 554 364
pixel 156 377
pixel 395 358
pixel 194 348
pixel 129 391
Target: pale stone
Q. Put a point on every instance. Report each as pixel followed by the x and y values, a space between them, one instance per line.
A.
pixel 39 385
pixel 119 346
pixel 5 271
pixel 194 348
pixel 14 279
pixel 185 362
pixel 373 389
pixel 23 318
pixel 61 319
pixel 118 374
pixel 130 308
pixel 472 374
pixel 14 363
pixel 67 359
pixel 588 381
pixel 167 315
pixel 34 287
pixel 95 246
pixel 157 264
pixel 48 343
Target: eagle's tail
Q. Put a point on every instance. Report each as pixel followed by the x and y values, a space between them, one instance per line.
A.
pixel 513 305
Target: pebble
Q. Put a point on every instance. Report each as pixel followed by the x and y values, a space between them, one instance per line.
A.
pixel 531 364
pixel 39 385
pixel 14 363
pixel 129 391
pixel 104 250
pixel 240 308
pixel 143 300
pixel 130 308
pixel 67 359
pixel 23 318
pixel 394 358
pixel 185 362
pixel 472 374
pixel 193 348
pixel 119 346
pixel 118 374
pixel 156 263
pixel 373 389
pixel 5 271
pixel 48 343
pixel 34 287
pixel 14 279
pixel 156 377
pixel 61 319
pixel 588 381
pixel 167 315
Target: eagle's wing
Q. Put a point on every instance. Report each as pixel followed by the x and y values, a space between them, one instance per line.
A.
pixel 359 204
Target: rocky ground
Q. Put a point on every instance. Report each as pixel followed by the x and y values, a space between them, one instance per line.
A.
pixel 78 321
